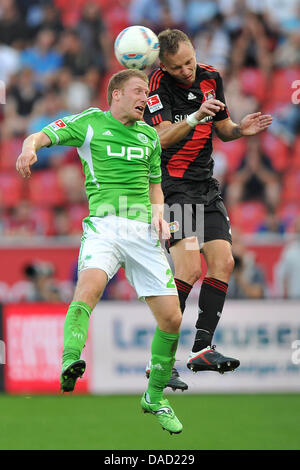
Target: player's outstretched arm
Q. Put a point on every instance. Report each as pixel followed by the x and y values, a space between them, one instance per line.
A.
pixel 28 156
pixel 250 125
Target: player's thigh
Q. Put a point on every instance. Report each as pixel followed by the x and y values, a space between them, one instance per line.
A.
pixel 90 286
pixel 166 311
pixel 186 259
pixel 146 265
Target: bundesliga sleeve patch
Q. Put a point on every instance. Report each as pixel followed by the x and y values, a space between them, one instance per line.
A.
pixel 57 125
pixel 154 103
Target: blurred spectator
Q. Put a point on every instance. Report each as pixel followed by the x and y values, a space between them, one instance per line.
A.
pixel 24 93
pixel 93 35
pixel 154 14
pixel 197 14
pixel 49 109
pixel 283 14
pixel 21 98
pixel 287 53
pixel 22 223
pixel 272 225
pixel 13 30
pixel 255 179
pixel 42 57
pixel 43 287
pixel 61 222
pixel 239 103
pixel 74 55
pixel 247 280
pixel 252 48
pixel 286 123
pixel 72 180
pixel 220 169
pixel 212 44
pixel 287 273
pixel 10 62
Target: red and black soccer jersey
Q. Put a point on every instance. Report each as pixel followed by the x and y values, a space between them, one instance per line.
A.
pixel 187 165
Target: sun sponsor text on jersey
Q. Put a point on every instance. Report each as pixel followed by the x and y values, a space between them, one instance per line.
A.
pixel 182 117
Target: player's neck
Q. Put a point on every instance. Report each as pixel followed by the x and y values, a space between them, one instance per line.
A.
pixel 121 117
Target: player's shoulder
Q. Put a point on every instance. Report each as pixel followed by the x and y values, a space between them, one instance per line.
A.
pixel 207 69
pixel 158 79
pixel 85 114
pixel 144 127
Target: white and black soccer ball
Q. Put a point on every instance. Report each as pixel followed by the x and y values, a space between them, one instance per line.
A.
pixel 136 47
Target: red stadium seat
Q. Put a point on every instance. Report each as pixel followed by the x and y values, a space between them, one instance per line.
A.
pixel 45 189
pixel 234 151
pixel 44 218
pixel 295 160
pixel 11 189
pixel 247 216
pixel 253 82
pixel 9 152
pixel 77 213
pixel 288 212
pixel 291 185
pixel 276 149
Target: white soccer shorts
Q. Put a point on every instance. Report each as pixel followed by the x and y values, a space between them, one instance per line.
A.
pixel 111 242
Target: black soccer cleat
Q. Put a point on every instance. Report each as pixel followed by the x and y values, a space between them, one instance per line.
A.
pixel 210 359
pixel 70 375
pixel 175 382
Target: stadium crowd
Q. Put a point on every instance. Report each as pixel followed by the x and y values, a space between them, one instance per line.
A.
pixel 57 57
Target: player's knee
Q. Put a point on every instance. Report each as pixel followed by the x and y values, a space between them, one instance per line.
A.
pixel 172 320
pixel 221 267
pixel 189 274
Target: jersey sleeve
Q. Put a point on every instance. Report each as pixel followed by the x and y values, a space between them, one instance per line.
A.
pixel 69 131
pixel 155 162
pixel 159 104
pixel 221 115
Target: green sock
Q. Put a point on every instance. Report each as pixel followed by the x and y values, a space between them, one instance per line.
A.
pixel 163 349
pixel 75 332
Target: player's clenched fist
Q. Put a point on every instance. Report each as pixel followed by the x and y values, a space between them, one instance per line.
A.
pixel 209 108
pixel 24 161
pixel 28 155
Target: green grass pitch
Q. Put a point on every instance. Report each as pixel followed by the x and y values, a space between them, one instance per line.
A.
pixel 215 422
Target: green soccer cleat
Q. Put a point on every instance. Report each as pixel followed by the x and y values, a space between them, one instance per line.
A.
pixel 164 413
pixel 70 375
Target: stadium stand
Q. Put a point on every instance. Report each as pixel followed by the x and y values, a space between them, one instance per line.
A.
pixel 260 56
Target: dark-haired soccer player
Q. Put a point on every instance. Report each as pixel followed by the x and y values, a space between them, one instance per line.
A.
pixel 186 102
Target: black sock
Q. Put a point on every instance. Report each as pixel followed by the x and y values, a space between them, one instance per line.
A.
pixel 211 302
pixel 183 291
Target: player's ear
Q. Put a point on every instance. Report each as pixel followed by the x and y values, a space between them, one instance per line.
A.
pixel 116 94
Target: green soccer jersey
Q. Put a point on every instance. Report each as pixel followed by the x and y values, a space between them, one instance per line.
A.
pixel 118 161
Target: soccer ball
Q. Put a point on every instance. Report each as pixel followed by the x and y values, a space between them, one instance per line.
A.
pixel 136 47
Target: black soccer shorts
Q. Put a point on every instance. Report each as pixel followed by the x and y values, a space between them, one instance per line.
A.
pixel 207 222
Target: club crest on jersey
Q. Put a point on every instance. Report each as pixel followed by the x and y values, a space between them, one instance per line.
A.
pixel 143 138
pixel 209 95
pixel 174 226
pixel 154 103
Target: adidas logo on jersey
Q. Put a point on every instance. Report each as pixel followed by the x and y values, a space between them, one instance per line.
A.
pixel 191 96
pixel 107 133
